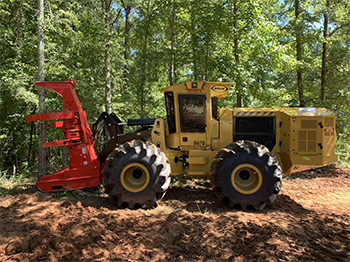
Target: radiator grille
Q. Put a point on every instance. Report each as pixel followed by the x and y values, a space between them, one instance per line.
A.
pixel 302 135
pixel 302 146
pixel 329 121
pixel 311 135
pixel 311 146
pixel 307 141
pixel 308 124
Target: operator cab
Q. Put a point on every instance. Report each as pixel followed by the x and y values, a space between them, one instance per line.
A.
pixel 192 113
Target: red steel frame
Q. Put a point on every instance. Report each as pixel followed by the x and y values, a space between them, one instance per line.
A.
pixel 84 168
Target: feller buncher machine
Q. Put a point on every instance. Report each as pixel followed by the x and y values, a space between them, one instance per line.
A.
pixel 244 151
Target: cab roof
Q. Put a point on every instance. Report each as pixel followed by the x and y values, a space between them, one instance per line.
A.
pixel 214 89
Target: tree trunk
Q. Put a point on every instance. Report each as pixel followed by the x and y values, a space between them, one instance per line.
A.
pixel 1 132
pixel 142 89
pixel 299 55
pixel 1 157
pixel 143 73
pixel 126 44
pixel 195 66
pixel 195 56
pixel 31 137
pixel 206 78
pixel 65 156
pixel 324 55
pixel 106 5
pixel 126 78
pixel 108 80
pixel 172 56
pixel 235 45
pixel 42 167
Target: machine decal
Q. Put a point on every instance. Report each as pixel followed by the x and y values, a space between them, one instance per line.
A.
pixel 219 88
pixel 329 132
pixel 199 143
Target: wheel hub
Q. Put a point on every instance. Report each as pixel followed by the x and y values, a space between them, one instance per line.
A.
pixel 135 177
pixel 244 175
pixel 137 174
pixel 246 179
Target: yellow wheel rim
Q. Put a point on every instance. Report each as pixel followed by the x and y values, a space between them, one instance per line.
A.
pixel 246 179
pixel 135 177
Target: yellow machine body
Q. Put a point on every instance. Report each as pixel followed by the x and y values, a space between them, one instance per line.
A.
pixel 195 130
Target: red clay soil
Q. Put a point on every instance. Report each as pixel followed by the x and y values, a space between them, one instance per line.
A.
pixel 310 221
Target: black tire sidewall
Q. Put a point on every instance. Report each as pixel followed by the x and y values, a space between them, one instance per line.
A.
pixel 152 159
pixel 231 163
pixel 146 193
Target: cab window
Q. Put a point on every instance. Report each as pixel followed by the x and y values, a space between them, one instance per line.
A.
pixel 192 113
pixel 170 111
pixel 214 102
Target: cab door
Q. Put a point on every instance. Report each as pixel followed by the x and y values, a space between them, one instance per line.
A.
pixel 192 120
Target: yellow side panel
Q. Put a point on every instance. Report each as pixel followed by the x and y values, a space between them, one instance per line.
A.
pixel 284 140
pixel 158 134
pixel 329 136
pixel 172 140
pixel 193 140
pixel 226 129
pixel 301 163
pixel 175 164
pixel 311 142
pixel 306 135
pixel 214 128
pixel 199 162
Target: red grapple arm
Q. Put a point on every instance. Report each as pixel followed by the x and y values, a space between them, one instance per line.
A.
pixel 84 169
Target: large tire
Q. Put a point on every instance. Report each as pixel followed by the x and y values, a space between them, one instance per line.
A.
pixel 136 174
pixel 245 173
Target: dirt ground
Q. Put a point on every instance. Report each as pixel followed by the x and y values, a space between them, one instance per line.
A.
pixel 309 221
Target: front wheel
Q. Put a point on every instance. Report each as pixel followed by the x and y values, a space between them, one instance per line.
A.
pixel 136 173
pixel 245 173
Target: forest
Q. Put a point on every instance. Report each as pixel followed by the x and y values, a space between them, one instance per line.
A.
pixel 285 53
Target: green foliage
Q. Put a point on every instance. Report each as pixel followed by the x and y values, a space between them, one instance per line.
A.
pixel 178 181
pixel 262 65
pixel 343 147
pixel 10 184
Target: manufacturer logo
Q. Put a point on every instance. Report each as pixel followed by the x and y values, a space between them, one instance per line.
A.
pixel 219 88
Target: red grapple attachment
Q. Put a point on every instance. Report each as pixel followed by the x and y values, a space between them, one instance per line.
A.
pixel 84 168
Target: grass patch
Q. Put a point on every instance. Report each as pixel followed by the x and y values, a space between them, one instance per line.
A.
pixel 342 149
pixel 179 180
pixel 190 182
pixel 16 184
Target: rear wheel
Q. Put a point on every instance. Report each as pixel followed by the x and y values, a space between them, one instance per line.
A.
pixel 245 173
pixel 136 173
